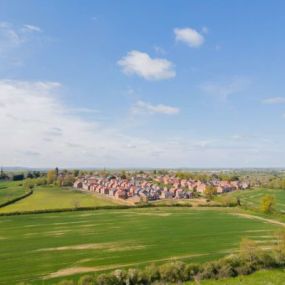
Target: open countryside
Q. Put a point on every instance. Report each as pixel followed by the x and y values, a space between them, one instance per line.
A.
pixel 56 246
pixel 142 142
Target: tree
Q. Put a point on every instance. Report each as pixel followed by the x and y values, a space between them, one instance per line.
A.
pixel 56 171
pixel 28 184
pixel 86 280
pixel 18 177
pixel 210 191
pixel 75 172
pixel 267 204
pixel 51 176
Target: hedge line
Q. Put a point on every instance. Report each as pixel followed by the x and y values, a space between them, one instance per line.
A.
pixel 250 259
pixel 89 209
pixel 17 199
pixel 147 205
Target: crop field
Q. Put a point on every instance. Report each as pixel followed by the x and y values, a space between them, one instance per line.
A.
pixel 264 277
pixel 52 197
pixel 45 248
pixel 10 190
pixel 252 197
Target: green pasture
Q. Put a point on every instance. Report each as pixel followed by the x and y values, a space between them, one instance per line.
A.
pixel 46 248
pixel 252 197
pixel 10 190
pixel 52 197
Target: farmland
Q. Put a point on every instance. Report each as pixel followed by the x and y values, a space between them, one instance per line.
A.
pixel 252 197
pixel 52 197
pixel 45 248
pixel 10 190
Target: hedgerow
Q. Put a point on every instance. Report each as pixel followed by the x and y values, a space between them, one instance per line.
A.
pixel 249 259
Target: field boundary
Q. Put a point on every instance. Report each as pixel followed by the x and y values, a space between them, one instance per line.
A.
pixel 16 199
pixel 111 207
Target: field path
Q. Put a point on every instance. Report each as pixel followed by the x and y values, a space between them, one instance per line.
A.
pixel 248 216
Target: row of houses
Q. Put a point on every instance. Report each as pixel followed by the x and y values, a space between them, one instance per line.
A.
pixel 134 189
pixel 138 189
pixel 200 186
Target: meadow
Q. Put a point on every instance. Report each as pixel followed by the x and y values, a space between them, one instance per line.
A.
pixel 252 197
pixel 45 248
pixel 53 197
pixel 10 190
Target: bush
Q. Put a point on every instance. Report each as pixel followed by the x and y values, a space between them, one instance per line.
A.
pixel 86 280
pixel 136 276
pixel 267 204
pixel 106 279
pixel 226 270
pixel 209 271
pixel 244 269
pixel 121 276
pixel 152 273
pixel 191 271
pixel 173 272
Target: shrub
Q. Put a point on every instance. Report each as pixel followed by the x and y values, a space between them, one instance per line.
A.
pixel 209 271
pixel 106 279
pixel 86 280
pixel 136 276
pixel 248 249
pixel 173 272
pixel 226 270
pixel 191 271
pixel 152 273
pixel 120 275
pixel 244 269
pixel 29 184
pixel 267 204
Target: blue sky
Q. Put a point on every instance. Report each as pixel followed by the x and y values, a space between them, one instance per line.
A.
pixel 142 83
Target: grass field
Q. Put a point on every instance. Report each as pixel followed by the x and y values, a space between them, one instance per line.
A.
pixel 52 197
pixel 44 248
pixel 252 197
pixel 10 190
pixel 264 277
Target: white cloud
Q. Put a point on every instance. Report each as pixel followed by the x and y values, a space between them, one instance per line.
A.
pixel 145 107
pixel 141 64
pixel 32 28
pixel 189 36
pixel 274 100
pixel 12 36
pixel 39 130
pixel 224 89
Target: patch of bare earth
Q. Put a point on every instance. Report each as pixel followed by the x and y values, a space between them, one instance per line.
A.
pixel 110 246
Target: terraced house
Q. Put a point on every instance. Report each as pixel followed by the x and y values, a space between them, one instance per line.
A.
pixel 160 187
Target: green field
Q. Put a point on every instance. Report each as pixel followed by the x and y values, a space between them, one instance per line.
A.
pixel 10 190
pixel 45 248
pixel 252 197
pixel 52 197
pixel 264 277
